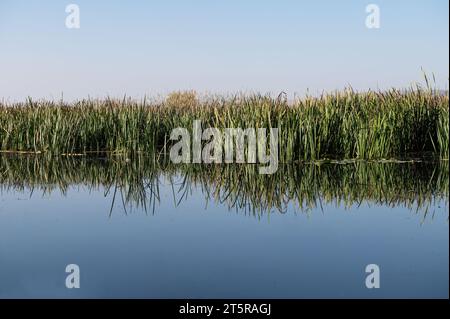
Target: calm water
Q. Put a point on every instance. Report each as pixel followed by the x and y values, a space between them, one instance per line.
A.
pixel 138 231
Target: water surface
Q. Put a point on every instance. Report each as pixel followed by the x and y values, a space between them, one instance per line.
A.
pixel 137 229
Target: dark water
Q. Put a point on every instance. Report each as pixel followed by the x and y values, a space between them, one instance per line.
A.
pixel 140 230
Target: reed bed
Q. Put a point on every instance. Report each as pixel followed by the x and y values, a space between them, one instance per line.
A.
pixel 370 125
pixel 416 185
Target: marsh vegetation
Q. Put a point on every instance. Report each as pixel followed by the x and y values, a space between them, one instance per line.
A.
pixel 340 125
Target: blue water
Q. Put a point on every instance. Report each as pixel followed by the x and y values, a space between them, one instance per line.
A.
pixel 190 251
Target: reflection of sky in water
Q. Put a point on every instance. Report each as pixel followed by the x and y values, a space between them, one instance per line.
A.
pixel 190 251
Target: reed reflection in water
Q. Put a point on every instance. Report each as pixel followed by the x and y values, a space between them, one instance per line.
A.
pixel 417 185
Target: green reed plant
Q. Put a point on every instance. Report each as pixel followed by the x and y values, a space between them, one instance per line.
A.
pixel 347 124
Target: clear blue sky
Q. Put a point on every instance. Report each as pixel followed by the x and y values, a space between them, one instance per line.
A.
pixel 151 47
